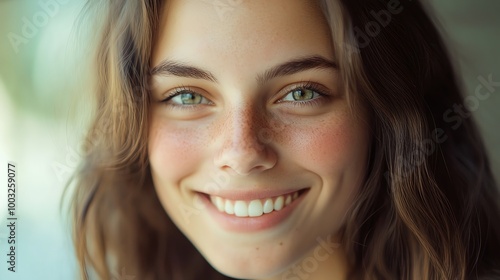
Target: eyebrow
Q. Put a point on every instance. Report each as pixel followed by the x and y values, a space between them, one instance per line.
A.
pixel 179 69
pixel 296 66
pixel 176 68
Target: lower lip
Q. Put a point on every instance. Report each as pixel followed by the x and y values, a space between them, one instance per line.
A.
pixel 250 224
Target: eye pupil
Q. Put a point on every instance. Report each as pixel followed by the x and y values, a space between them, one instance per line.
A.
pixel 190 98
pixel 303 94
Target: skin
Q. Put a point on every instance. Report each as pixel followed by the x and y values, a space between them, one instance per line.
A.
pixel 249 135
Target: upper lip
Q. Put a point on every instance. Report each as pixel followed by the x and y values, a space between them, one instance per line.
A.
pixel 249 195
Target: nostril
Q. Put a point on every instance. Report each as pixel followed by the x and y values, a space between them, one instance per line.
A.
pixel 246 161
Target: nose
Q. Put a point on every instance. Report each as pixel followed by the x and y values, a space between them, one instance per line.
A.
pixel 242 151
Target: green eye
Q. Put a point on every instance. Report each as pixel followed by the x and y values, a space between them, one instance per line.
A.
pixel 301 94
pixel 187 98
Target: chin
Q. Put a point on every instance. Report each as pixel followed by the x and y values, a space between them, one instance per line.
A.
pixel 249 270
pixel 255 264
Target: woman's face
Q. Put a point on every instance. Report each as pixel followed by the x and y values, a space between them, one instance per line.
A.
pixel 254 152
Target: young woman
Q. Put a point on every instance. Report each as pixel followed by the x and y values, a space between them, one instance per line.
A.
pixel 281 140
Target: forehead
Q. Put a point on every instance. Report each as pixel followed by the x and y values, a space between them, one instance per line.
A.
pixel 243 34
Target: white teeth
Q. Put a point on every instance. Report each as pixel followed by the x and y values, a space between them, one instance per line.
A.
pixel 278 204
pixel 219 202
pixel 228 207
pixel 254 208
pixel 268 206
pixel 240 208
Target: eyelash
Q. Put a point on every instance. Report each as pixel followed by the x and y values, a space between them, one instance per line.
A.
pixel 308 85
pixel 177 91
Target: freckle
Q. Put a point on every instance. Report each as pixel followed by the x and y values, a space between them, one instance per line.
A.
pixel 257 248
pixel 281 243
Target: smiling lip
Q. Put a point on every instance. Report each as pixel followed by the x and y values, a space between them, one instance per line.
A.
pixel 251 224
pixel 251 195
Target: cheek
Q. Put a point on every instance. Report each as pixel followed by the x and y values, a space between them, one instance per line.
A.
pixel 336 152
pixel 174 151
pixel 332 146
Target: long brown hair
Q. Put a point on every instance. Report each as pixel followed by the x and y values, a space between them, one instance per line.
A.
pixel 429 208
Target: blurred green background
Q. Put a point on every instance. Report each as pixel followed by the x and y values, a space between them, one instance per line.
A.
pixel 43 92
